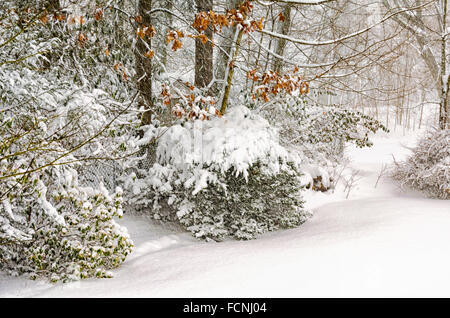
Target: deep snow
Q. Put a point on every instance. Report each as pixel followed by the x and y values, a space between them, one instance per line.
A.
pixel 380 242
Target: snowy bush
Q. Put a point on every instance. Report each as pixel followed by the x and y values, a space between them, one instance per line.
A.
pixel 318 134
pixel 225 177
pixel 325 127
pixel 50 224
pixel 428 168
pixel 62 233
pixel 245 208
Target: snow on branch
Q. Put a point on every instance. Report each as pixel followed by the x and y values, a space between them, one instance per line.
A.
pixel 346 37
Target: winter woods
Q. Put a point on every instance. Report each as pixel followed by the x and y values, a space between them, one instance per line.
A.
pixel 215 115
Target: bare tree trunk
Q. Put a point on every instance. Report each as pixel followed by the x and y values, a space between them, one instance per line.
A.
pixel 230 72
pixel 286 25
pixel 204 51
pixel 443 107
pixel 226 44
pixel 421 109
pixel 388 109
pixel 270 40
pixel 258 56
pixel 144 64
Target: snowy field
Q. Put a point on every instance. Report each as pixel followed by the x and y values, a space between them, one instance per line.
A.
pixel 380 242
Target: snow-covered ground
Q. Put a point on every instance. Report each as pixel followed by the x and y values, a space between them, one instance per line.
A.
pixel 380 242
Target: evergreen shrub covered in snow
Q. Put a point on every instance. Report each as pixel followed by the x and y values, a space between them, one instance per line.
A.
pixel 326 127
pixel 428 168
pixel 225 177
pixel 62 233
pixel 66 103
pixel 262 203
pixel 318 134
pixel 50 225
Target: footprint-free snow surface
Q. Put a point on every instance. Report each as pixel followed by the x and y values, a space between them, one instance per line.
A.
pixel 379 242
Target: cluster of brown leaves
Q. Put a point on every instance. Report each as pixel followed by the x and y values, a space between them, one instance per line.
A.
pixel 149 54
pixel 98 14
pixel 56 16
pixel 165 94
pixel 82 38
pixel 201 107
pixel 59 16
pixel 44 18
pixel 196 107
pixel 29 13
pixel 216 21
pixel 72 19
pixel 271 83
pixel 145 31
pixel 119 67
pixel 175 36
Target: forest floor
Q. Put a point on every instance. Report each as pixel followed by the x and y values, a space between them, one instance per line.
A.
pixel 379 242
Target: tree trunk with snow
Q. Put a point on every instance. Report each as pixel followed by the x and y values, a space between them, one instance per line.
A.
pixel 443 107
pixel 144 64
pixel 204 51
pixel 230 71
pixel 226 45
pixel 285 18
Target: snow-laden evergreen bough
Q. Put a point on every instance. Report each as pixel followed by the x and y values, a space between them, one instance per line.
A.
pixel 62 233
pixel 318 135
pixel 50 225
pixel 428 168
pixel 54 122
pixel 227 177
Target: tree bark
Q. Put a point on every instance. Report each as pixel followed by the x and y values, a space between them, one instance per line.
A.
pixel 285 27
pixel 230 71
pixel 204 51
pixel 144 64
pixel 226 45
pixel 443 107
